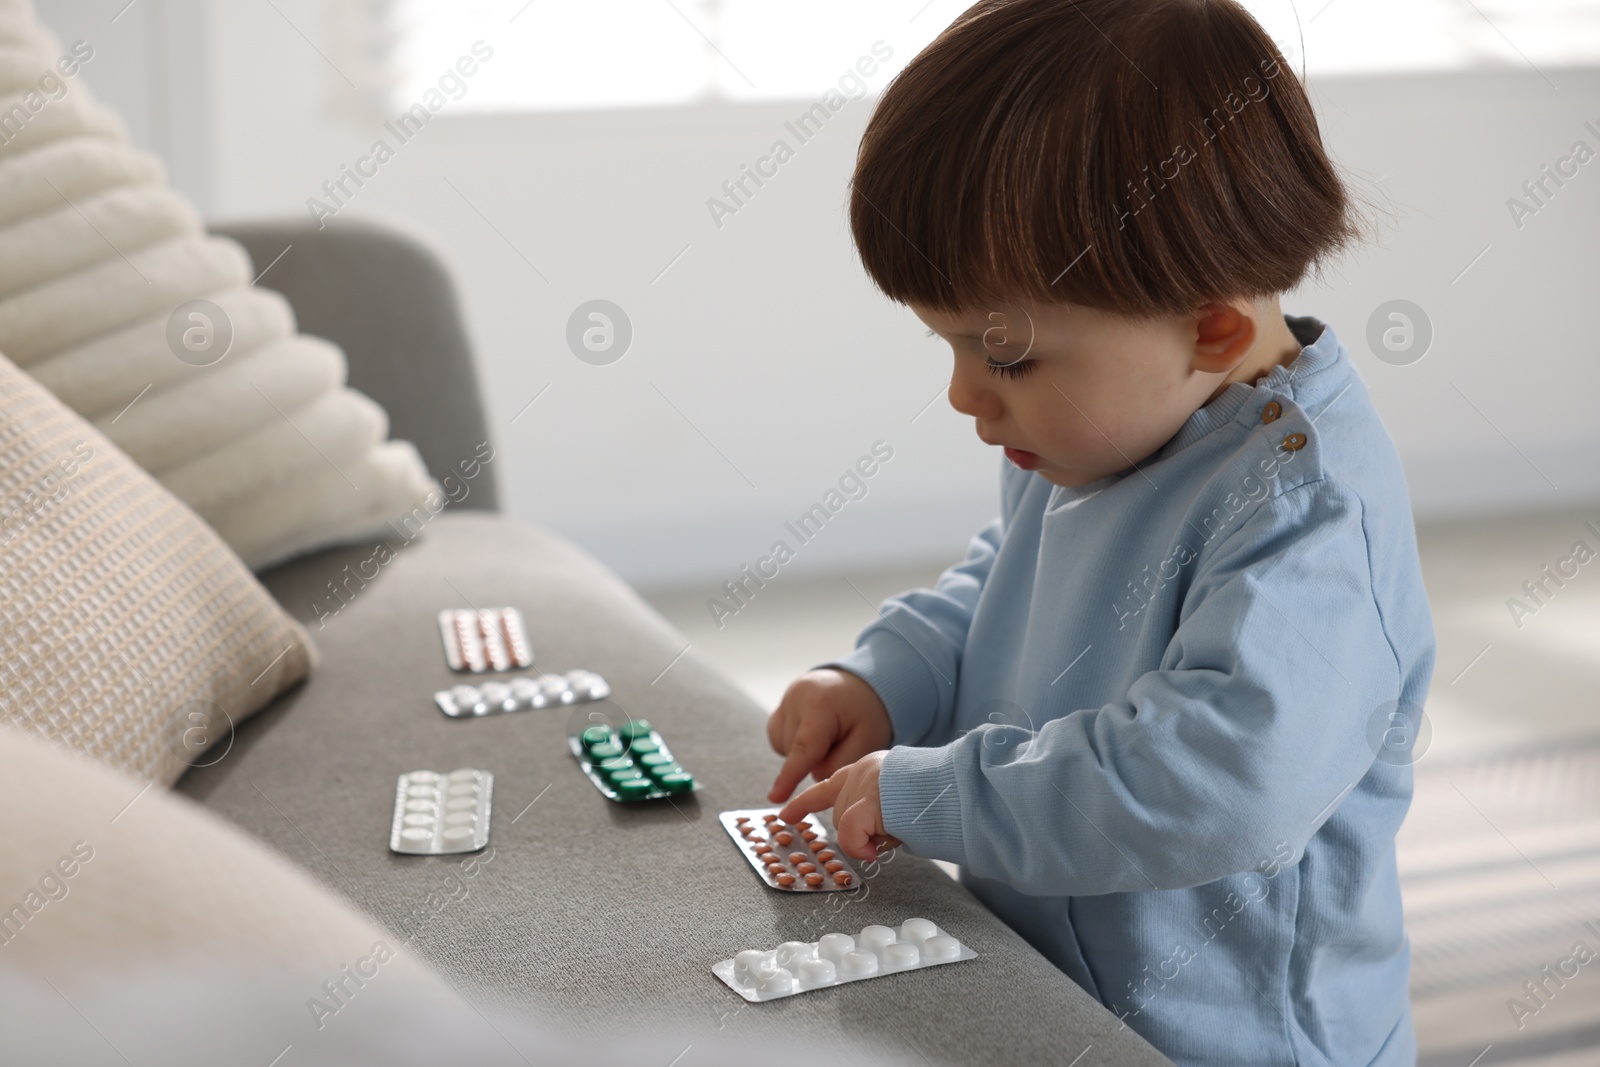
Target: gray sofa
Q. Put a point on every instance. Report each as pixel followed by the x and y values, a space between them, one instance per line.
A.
pixel 591 915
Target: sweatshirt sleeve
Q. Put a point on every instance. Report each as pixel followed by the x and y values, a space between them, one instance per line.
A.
pixel 1256 721
pixel 911 654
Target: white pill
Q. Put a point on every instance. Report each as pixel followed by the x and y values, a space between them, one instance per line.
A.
pixel 416 833
pixel 460 818
pixel 554 687
pixel 917 930
pixel 423 776
pixel 941 947
pixel 815 973
pixel 418 818
pixel 792 952
pixel 458 833
pixel 746 963
pixel 421 791
pixel 834 946
pixel 460 804
pixel 875 938
pixel 462 789
pixel 777 980
pixel 465 774
pixel 419 805
pixel 901 955
pixel 524 690
pixel 858 963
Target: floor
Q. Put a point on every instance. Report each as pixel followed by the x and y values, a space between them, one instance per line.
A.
pixel 1501 853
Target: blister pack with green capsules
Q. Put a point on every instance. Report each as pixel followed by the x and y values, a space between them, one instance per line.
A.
pixel 630 762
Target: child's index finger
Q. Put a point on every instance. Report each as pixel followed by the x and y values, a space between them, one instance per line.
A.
pixel 819 797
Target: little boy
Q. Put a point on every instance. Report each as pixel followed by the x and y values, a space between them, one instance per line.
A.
pixel 1161 714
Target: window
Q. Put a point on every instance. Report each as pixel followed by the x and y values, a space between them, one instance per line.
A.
pixel 560 55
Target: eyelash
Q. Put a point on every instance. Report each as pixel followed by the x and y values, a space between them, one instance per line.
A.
pixel 1011 370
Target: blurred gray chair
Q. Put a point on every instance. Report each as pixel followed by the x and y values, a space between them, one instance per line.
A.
pixel 390 304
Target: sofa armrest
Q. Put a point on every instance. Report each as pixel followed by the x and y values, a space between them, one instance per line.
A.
pixel 390 304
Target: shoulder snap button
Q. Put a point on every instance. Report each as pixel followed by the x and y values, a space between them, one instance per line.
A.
pixel 1271 411
pixel 1294 442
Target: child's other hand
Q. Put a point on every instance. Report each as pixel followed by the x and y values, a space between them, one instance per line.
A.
pixel 827 718
pixel 852 792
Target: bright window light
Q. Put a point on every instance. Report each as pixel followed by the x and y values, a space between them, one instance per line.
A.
pixel 561 56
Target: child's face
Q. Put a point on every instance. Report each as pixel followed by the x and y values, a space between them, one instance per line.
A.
pixel 1076 393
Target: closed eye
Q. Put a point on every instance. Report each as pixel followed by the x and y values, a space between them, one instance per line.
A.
pixel 1011 370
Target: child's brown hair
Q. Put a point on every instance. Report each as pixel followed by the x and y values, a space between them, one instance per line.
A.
pixel 1140 156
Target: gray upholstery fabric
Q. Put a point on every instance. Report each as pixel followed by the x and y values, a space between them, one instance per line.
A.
pixel 391 305
pixel 598 916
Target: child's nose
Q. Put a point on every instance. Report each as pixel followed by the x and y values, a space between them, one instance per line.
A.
pixel 971 396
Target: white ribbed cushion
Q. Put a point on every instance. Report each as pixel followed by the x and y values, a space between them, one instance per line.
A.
pixel 97 254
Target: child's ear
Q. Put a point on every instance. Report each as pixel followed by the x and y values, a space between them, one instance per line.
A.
pixel 1223 336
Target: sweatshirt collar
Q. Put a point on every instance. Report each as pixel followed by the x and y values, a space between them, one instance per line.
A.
pixel 1295 380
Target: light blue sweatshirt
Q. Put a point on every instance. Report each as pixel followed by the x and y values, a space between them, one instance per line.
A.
pixel 1163 723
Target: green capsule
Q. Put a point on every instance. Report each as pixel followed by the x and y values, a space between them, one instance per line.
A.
pixel 643 746
pixel 660 771
pixel 676 782
pixel 596 735
pixel 614 764
pixel 635 788
pixel 636 728
pixel 625 774
pixel 604 751
pixel 650 760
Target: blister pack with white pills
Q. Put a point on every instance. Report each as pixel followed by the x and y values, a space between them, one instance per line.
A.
pixel 491 639
pixel 797 859
pixel 436 814
pixel 521 694
pixel 834 959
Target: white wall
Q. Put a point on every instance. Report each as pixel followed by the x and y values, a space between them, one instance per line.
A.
pixel 767 338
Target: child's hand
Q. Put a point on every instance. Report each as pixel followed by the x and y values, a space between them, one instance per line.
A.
pixel 826 719
pixel 852 792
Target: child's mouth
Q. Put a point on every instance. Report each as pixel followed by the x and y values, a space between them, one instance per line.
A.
pixel 1026 460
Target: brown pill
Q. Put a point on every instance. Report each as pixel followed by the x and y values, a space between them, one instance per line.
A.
pixel 768 857
pixel 783 837
pixel 785 879
pixel 818 845
pixel 802 825
pixel 833 866
pixel 825 855
pixel 841 877
pixel 809 835
pixel 741 820
pixel 813 880
pixel 769 817
pixel 797 857
pixel 775 868
pixel 747 830
pixel 805 868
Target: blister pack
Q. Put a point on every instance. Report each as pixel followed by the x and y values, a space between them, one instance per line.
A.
pixel 796 858
pixel 834 959
pixel 521 694
pixel 629 763
pixel 436 814
pixel 492 639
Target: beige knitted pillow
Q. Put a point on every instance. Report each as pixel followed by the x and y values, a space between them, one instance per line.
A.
pixel 128 631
